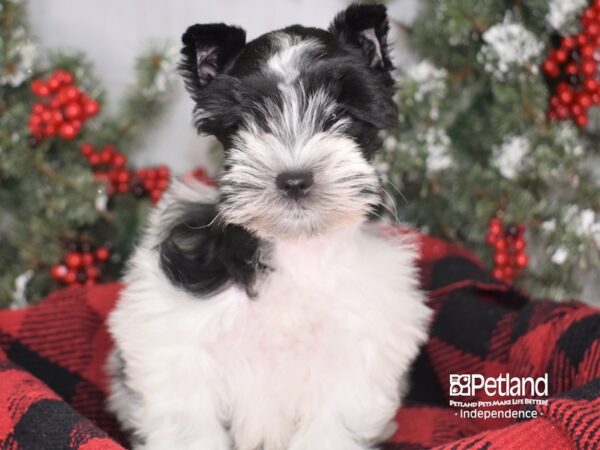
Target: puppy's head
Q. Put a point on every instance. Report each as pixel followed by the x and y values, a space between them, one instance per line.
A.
pixel 297 111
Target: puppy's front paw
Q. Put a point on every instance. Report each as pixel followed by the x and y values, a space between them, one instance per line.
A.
pixel 220 442
pixel 329 440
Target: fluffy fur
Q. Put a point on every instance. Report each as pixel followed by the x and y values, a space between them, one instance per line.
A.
pixel 257 320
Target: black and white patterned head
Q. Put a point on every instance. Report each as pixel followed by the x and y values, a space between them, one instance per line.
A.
pixel 298 112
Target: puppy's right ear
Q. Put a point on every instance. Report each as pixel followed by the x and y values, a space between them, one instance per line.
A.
pixel 207 51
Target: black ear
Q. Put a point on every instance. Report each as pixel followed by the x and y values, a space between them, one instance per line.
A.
pixel 365 27
pixel 202 256
pixel 207 51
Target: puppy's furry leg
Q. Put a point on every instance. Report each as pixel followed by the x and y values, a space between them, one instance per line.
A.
pixel 163 417
pixel 326 432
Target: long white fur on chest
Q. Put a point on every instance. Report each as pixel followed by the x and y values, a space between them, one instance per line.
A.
pixel 334 316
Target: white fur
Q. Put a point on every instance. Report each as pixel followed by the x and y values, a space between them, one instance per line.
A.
pixel 292 51
pixel 315 362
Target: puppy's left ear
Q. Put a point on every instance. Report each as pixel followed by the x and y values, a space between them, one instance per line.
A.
pixel 365 27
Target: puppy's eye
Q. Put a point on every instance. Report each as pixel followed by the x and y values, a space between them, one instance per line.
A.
pixel 333 118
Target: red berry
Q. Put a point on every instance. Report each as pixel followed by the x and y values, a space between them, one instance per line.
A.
pixel 91 108
pixel 587 52
pixel 582 39
pixel 88 259
pixel 576 109
pixel 40 88
pixel 57 116
pixel 491 238
pixel 123 176
pixel 588 68
pixel 86 149
pixel 114 175
pixel 568 43
pixel 74 259
pixel 73 110
pixel 47 115
pixel 37 108
pixel 550 68
pixel 500 245
pixel 509 273
pixel 563 87
pixel 150 184
pixel 588 16
pixel 565 97
pixel 593 29
pixel 53 84
pixel 50 130
pixel 163 171
pixel 94 159
pixel 67 131
pixel 155 195
pixel 59 272
pixel 585 101
pixel 572 69
pixel 522 260
pixel 107 154
pixel 35 119
pixel 119 160
pixel 102 254
pixel 92 272
pixel 58 75
pixel 498 273
pixel 162 184
pixel 591 85
pixel 495 228
pixel 501 259
pixel 582 120
pixel 62 96
pixel 72 93
pixel 67 77
pixel 71 277
pixel 561 56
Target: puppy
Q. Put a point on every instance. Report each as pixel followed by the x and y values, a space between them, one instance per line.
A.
pixel 267 314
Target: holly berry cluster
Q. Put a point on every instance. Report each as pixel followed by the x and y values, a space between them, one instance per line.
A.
pixel 151 181
pixel 109 166
pixel 82 264
pixel 63 108
pixel 573 70
pixel 508 243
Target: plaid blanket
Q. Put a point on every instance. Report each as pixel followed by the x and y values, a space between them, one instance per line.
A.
pixel 53 385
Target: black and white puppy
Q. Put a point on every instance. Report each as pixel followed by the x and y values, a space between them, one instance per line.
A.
pixel 267 314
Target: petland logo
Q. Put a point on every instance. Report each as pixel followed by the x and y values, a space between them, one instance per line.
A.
pixel 467 385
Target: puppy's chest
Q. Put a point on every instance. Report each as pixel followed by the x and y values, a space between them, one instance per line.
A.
pixel 315 302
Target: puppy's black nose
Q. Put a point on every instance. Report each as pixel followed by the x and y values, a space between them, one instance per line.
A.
pixel 294 184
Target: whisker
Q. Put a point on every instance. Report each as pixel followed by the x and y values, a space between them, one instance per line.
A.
pixel 398 191
pixel 393 212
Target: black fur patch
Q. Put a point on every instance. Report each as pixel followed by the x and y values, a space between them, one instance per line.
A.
pixel 204 256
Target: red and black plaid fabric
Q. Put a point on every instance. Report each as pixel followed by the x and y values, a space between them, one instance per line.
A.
pixel 53 384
